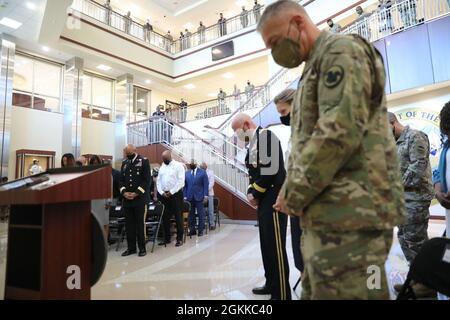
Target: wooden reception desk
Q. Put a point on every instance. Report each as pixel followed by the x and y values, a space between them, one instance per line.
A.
pixel 50 232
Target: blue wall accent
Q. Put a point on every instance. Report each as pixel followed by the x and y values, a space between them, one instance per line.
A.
pixel 269 114
pixel 439 34
pixel 381 46
pixel 413 58
pixel 409 59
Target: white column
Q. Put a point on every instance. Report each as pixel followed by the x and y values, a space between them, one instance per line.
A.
pixel 8 52
pixel 123 113
pixel 73 85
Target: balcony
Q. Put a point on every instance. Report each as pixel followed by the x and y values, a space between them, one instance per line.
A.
pixel 166 42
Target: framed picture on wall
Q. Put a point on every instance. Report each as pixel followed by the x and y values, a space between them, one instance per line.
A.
pixel 30 162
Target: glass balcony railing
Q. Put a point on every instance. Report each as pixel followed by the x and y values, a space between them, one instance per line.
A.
pixel 167 43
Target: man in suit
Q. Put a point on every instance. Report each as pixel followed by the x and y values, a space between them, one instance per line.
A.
pixel 196 192
pixel 134 187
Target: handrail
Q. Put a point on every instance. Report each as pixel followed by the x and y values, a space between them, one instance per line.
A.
pixel 189 145
pixel 206 142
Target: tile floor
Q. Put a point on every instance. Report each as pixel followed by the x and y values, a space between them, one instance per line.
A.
pixel 225 264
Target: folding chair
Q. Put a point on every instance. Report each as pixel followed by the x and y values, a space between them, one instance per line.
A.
pixel 431 267
pixel 185 213
pixel 153 222
pixel 216 212
pixel 117 229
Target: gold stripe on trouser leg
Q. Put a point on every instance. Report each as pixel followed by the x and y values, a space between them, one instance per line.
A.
pixel 281 255
pixel 280 258
pixel 145 219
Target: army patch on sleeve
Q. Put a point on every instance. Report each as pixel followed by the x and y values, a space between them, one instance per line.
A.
pixel 333 76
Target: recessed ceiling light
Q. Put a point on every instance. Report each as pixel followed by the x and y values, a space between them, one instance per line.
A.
pixel 421 89
pixel 147 81
pixel 216 51
pixel 228 75
pixel 45 49
pixel 103 67
pixel 189 86
pixel 188 26
pixel 141 100
pixel 10 23
pixel 30 5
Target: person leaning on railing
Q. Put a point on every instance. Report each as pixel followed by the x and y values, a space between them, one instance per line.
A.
pixel 168 40
pixel 384 15
pixel 257 11
pixel 148 28
pixel 108 11
pixel 222 25
pixel 187 37
pixel 408 12
pixel 244 18
pixel 128 21
pixel 201 33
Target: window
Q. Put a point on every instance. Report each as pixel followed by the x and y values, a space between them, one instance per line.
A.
pixel 97 99
pixel 141 101
pixel 37 84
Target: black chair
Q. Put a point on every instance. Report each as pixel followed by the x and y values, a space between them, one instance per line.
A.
pixel 153 222
pixel 185 213
pixel 117 231
pixel 431 267
pixel 216 212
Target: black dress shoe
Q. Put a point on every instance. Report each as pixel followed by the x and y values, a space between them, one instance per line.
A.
pixel 179 244
pixel 261 290
pixel 193 233
pixel 212 228
pixel 163 243
pixel 200 234
pixel 142 253
pixel 128 253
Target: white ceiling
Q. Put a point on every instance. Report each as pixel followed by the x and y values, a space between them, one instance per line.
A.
pixel 31 19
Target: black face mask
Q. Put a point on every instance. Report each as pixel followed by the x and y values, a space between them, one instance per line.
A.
pixel 166 162
pixel 130 156
pixel 286 120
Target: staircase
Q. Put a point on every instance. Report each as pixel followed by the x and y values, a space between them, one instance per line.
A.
pixel 187 145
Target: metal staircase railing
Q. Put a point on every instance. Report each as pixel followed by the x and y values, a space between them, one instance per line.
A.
pixel 186 144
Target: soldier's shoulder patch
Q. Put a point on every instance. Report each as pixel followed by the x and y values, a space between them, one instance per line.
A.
pixel 333 76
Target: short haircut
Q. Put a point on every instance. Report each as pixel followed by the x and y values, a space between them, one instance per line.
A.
pixel 392 117
pixel 286 96
pixel 276 8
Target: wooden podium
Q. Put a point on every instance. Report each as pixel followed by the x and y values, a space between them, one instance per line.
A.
pixel 49 234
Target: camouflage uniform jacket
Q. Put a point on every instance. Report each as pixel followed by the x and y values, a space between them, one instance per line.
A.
pixel 343 171
pixel 413 152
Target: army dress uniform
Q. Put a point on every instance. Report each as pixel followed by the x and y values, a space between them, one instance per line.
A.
pixel 343 176
pixel 135 177
pixel 265 165
pixel 413 149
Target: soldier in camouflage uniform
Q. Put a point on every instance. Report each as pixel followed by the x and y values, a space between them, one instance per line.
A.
pixel 343 175
pixel 413 152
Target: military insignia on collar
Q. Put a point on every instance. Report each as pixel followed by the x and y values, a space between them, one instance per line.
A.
pixel 333 76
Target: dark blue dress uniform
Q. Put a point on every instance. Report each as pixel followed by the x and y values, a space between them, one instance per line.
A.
pixel 267 173
pixel 135 177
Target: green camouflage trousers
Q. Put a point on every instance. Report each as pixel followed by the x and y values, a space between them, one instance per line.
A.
pixel 414 232
pixel 341 265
